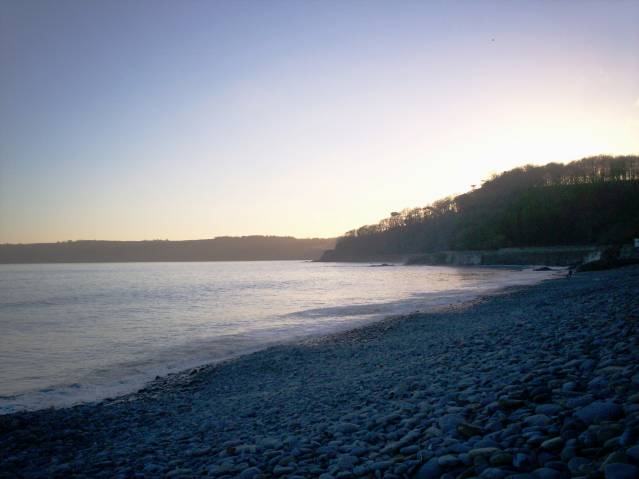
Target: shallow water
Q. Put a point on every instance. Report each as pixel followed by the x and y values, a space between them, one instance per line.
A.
pixel 71 333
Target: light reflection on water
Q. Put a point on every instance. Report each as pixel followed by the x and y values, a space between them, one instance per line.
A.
pixel 81 332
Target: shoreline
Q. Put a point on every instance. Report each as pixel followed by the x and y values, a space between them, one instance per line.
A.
pixel 415 395
pixel 83 391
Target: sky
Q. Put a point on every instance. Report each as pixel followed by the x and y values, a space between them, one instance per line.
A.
pixel 192 119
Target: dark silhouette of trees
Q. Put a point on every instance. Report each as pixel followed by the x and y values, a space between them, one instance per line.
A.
pixel 591 201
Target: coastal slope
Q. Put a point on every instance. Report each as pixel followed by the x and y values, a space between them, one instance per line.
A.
pixel 539 382
pixel 585 203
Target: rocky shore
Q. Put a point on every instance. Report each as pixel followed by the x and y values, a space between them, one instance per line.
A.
pixel 540 382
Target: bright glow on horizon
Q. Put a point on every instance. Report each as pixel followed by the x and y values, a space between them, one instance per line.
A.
pixel 193 120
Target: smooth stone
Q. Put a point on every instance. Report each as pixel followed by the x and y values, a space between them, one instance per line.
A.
pixel 548 409
pixel 152 468
pixel 616 457
pixel 359 451
pixel 598 383
pixel 380 465
pixel 546 473
pixel 568 452
pixel 486 442
pixel 361 470
pixel 522 461
pixel 433 432
pixel 501 459
pixel 588 365
pixel 429 470
pixel 576 463
pixel 510 404
pixel 558 466
pixel 449 422
pixel 448 460
pixel 346 427
pixel 633 452
pixel 409 450
pixel 468 430
pixel 628 437
pixel 612 444
pixel 179 472
pixel 579 401
pixel 493 473
pixel 606 432
pixel 553 444
pixel 482 451
pixel 621 471
pixel 537 420
pixel 599 411
pixel 279 470
pixel 346 461
pixel 250 473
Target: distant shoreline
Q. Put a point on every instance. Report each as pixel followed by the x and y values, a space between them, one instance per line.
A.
pixel 226 248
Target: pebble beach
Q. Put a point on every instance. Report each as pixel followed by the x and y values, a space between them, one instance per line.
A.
pixel 536 382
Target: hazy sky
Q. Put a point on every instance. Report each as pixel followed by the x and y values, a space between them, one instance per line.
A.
pixel 192 119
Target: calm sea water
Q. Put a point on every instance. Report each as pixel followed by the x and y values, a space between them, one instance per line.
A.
pixel 83 332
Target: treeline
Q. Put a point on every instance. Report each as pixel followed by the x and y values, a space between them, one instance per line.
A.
pixel 225 248
pixel 590 201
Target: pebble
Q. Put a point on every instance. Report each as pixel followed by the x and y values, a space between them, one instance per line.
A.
pixel 599 411
pixel 553 444
pixel 429 470
pixel 621 471
pixel 250 473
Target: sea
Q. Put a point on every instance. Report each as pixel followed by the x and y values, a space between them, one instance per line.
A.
pixel 75 333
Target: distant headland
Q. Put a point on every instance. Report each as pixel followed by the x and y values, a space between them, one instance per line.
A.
pixel 223 248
